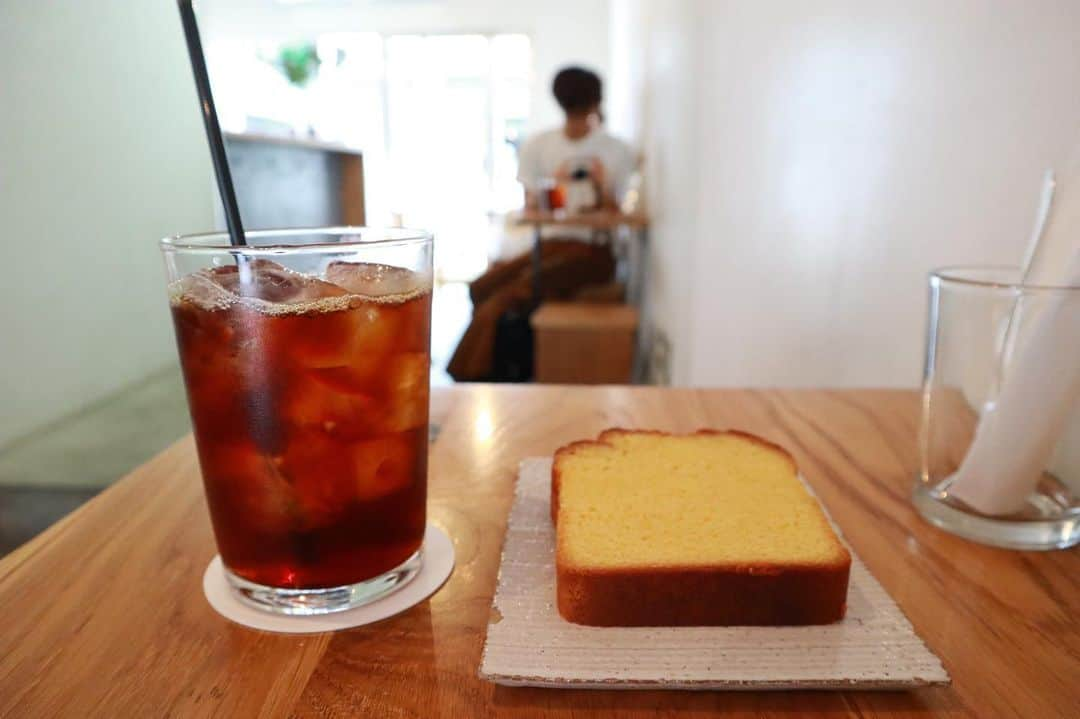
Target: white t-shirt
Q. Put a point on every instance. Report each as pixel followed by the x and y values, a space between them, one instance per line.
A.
pixel 545 154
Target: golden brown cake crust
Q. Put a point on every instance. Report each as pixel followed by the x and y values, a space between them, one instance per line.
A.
pixel 672 596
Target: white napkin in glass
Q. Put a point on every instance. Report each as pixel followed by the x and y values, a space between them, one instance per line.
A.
pixel 1015 439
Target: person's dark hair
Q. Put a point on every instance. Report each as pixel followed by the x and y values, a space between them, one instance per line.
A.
pixel 577 89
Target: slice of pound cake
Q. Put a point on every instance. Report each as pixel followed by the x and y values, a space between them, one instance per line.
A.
pixel 712 528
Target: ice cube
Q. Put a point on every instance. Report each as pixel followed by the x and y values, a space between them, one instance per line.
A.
pixel 318 401
pixel 371 279
pixel 244 485
pixel 406 393
pixel 414 321
pixel 361 378
pixel 322 474
pixel 355 337
pixel 269 281
pixel 202 290
pixel 383 466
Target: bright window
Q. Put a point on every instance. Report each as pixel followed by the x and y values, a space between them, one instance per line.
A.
pixel 437 117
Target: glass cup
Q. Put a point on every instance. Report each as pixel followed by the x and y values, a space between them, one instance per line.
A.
pixel 996 353
pixel 306 357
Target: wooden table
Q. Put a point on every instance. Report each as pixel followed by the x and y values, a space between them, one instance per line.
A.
pixel 594 220
pixel 104 613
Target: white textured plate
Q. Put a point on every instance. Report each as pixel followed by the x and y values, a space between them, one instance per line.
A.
pixel 529 644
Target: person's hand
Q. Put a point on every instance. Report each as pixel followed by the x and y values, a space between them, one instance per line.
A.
pixel 598 174
pixel 532 199
pixel 562 172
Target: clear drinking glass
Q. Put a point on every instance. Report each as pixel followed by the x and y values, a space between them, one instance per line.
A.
pixel 306 358
pixel 982 321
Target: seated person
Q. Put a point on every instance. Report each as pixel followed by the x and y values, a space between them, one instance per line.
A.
pixel 579 149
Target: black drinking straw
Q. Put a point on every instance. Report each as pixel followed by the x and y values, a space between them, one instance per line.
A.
pixel 210 122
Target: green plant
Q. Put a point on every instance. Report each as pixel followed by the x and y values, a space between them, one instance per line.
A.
pixel 299 63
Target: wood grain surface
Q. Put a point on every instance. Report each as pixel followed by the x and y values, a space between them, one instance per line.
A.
pixel 104 614
pixel 584 343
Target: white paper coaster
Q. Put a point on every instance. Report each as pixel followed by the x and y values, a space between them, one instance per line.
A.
pixel 436 569
pixel 529 644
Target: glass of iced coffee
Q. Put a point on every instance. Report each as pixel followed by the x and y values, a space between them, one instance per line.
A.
pixel 306 356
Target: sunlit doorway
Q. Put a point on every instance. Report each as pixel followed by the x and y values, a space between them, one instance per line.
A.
pixel 456 106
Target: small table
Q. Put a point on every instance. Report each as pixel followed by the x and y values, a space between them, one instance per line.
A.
pixel 607 220
pixel 104 614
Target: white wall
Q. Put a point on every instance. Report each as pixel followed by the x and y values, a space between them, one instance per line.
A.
pixel 842 149
pixel 656 56
pixel 101 153
pixel 562 31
